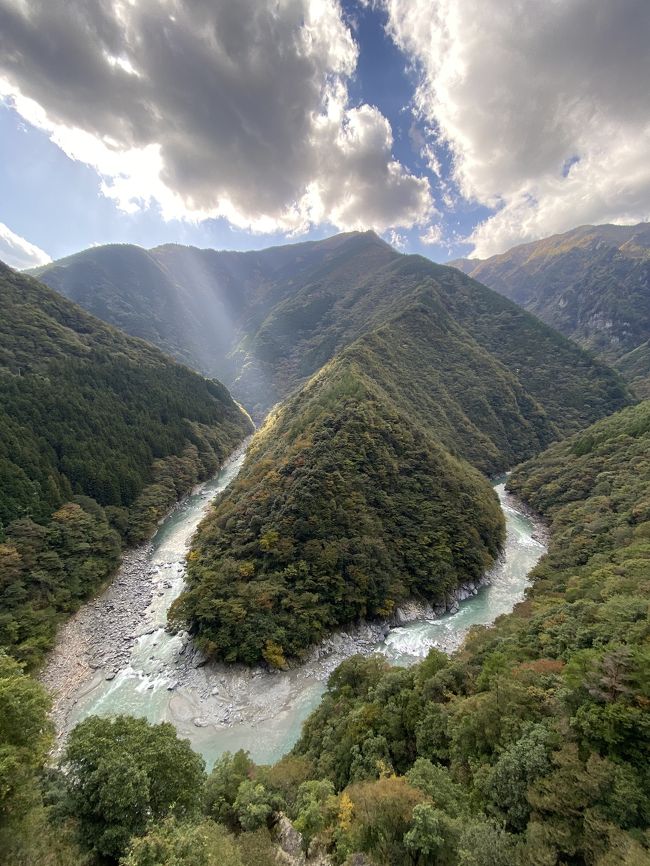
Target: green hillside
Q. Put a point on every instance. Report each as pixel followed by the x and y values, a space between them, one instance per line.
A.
pixel 345 507
pixel 591 284
pixel 99 435
pixel 350 334
pixel 532 744
pixel 264 322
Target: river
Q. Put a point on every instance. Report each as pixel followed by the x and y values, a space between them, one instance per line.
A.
pixel 115 655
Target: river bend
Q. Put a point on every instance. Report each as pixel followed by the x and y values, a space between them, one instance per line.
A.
pixel 115 656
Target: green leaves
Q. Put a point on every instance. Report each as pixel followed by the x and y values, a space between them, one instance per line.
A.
pixel 124 773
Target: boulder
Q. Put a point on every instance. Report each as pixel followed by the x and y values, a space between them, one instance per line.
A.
pixel 290 841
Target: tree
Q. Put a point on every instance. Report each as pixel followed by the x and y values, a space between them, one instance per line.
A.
pixel 223 784
pixel 505 785
pixel 254 805
pixel 125 772
pixel 315 808
pixel 433 836
pixel 174 843
pixel 25 736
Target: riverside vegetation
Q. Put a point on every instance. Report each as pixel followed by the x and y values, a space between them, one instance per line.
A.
pixel 402 383
pixel 99 435
pixel 529 746
pixel 361 491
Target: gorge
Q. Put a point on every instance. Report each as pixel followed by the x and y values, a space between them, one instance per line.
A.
pixel 116 655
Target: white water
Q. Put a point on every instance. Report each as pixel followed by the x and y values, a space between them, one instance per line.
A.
pixel 256 710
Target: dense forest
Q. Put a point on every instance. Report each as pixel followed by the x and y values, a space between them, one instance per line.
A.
pixel 591 283
pixel 344 508
pixel 366 453
pixel 528 747
pixel 99 435
pixel 265 321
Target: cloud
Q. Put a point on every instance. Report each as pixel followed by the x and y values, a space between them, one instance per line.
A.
pixel 18 252
pixel 210 108
pixel 432 235
pixel 545 107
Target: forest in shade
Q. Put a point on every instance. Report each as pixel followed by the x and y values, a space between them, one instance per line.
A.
pixel 99 435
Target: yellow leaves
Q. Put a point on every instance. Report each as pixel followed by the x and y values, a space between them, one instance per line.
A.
pixel 386 608
pixel 269 540
pixel 246 569
pixel 68 512
pixel 346 812
pixel 274 655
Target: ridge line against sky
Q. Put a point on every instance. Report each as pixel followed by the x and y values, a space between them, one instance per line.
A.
pixel 452 127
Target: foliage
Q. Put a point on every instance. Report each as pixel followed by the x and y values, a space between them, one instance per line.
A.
pixel 343 510
pixel 25 737
pixel 531 745
pixel 590 283
pixel 122 774
pixel 222 786
pixel 98 432
pixel 174 843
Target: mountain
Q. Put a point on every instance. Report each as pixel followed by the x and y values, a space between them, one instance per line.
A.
pixel 264 322
pixel 99 435
pixel 591 284
pixel 361 489
pixel 531 743
pixel 397 379
pixel 346 506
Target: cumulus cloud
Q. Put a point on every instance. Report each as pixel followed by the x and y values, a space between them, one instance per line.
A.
pixel 210 108
pixel 18 252
pixel 544 106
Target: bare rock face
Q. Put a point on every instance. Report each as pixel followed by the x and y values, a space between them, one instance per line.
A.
pixel 290 842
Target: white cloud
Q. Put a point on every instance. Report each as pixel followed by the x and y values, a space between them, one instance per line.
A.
pixel 19 253
pixel 395 239
pixel 211 108
pixel 432 235
pixel 544 106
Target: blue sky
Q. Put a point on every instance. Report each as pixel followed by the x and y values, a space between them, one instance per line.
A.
pixel 307 117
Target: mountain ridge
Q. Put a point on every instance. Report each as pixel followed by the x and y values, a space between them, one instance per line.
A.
pixel 100 433
pixel 270 318
pixel 591 283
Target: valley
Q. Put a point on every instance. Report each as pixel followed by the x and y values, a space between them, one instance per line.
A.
pixel 341 612
pixel 324 433
pixel 116 656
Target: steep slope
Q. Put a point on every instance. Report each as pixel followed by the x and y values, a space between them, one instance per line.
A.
pixel 271 319
pixel 358 491
pixel 634 366
pixel 344 508
pixel 591 284
pixel 99 434
pixel 540 723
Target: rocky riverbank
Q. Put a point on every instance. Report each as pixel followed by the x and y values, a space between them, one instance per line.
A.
pixel 115 655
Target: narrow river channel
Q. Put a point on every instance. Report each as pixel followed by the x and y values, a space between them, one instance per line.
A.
pixel 115 655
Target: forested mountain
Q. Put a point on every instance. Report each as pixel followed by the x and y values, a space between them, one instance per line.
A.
pixel 528 746
pixel 346 506
pixel 265 321
pixel 395 359
pixel 358 493
pixel 592 284
pixel 532 744
pixel 99 434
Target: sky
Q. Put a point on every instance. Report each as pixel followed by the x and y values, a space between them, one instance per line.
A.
pixel 450 127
